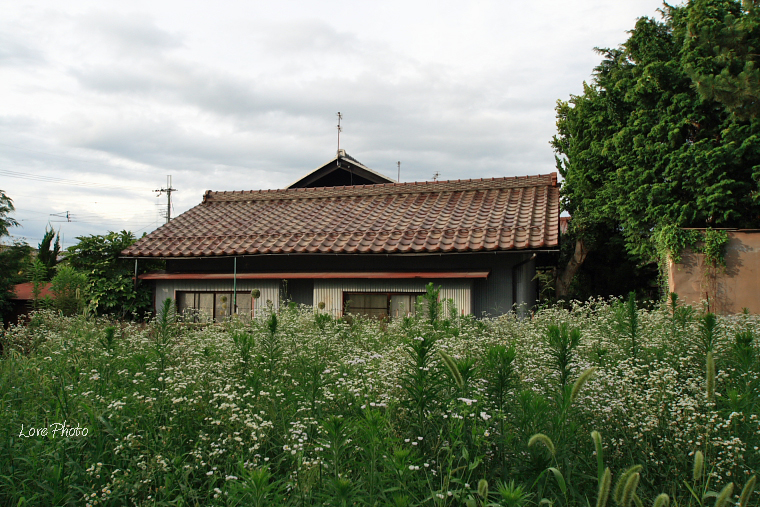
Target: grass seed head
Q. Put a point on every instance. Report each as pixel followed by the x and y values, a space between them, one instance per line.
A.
pixel 578 385
pixel 699 462
pixel 630 489
pixel 621 483
pixel 604 488
pixel 540 437
pixel 483 488
pixel 747 491
pixel 724 495
pixel 453 369
pixel 662 500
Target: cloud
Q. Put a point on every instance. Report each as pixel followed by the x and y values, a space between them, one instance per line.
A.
pixel 307 36
pixel 130 35
pixel 15 51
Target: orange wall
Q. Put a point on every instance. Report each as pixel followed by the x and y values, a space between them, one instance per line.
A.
pixel 726 290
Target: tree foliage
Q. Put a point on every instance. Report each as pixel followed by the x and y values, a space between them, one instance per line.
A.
pixel 6 207
pixel 14 261
pixel 70 289
pixel 49 251
pixel 667 131
pixel 13 258
pixel 112 287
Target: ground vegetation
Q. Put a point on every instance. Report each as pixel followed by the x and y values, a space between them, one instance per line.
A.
pixel 600 403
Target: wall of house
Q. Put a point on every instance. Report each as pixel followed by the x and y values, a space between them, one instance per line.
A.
pixel 270 289
pixel 511 277
pixel 512 281
pixel 330 292
pixel 723 290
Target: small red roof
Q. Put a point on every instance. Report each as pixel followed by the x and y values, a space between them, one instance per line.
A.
pixel 23 291
pixel 498 214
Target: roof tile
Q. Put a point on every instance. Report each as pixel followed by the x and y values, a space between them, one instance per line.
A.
pixel 443 216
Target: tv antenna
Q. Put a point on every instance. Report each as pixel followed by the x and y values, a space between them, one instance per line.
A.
pixel 340 129
pixel 63 214
pixel 436 175
pixel 168 191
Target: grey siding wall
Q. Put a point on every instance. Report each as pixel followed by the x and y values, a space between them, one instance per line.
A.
pixel 508 280
pixel 331 292
pixel 270 289
pixel 511 281
pixel 493 296
pixel 525 286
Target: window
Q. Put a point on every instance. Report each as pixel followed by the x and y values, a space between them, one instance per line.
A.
pixel 204 306
pixel 380 304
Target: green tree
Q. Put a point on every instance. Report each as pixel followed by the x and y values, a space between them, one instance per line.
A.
pixel 6 207
pixel 642 148
pixel 12 257
pixel 723 64
pixel 38 276
pixel 49 256
pixel 14 262
pixel 112 288
pixel 70 289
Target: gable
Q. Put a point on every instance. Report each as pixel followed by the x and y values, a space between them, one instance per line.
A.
pixel 343 170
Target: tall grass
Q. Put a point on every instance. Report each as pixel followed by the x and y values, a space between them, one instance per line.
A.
pixel 294 408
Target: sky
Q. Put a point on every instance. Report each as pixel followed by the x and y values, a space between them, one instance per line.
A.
pixel 100 101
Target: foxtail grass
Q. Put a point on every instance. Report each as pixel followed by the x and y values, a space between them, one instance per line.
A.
pixel 699 463
pixel 604 488
pixel 662 500
pixel 749 487
pixel 451 365
pixel 724 495
pixel 541 438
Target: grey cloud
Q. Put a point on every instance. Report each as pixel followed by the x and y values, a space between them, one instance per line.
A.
pixel 427 115
pixel 305 36
pixel 129 34
pixel 18 52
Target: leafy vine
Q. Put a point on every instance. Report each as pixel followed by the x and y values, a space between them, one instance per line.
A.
pixel 671 240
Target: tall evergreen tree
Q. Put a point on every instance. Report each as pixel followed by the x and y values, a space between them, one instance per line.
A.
pixel 49 256
pixel 647 145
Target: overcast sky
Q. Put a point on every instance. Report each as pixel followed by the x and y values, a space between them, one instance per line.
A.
pixel 112 97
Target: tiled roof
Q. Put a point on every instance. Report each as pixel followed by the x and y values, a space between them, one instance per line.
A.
pixel 25 291
pixel 495 214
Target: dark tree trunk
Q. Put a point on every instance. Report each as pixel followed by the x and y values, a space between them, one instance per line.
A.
pixel 565 276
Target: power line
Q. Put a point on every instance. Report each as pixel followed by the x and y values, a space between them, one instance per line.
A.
pixel 61 181
pixel 168 191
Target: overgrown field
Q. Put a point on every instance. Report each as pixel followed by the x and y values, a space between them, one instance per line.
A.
pixel 298 409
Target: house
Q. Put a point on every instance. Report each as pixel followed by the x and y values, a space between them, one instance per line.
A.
pixel 370 247
pixel 23 299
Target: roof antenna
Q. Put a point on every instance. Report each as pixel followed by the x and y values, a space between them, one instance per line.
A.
pixel 435 176
pixel 340 129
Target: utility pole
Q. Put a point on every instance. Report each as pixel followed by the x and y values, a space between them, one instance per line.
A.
pixel 168 191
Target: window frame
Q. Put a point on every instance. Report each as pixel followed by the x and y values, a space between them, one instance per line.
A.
pixel 389 294
pixel 214 293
